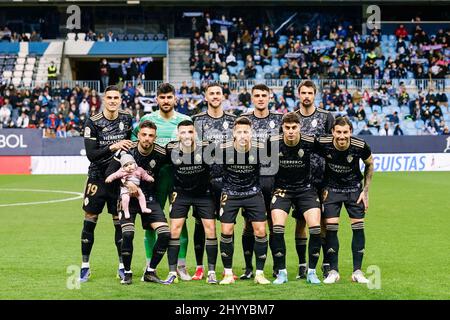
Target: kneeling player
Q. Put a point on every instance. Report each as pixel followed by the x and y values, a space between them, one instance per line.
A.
pixel 150 156
pixel 191 188
pixel 241 190
pixel 342 153
pixel 293 188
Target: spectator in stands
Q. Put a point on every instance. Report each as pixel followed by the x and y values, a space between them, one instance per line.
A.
pixel 442 99
pixel 426 114
pixel 104 73
pixel 401 32
pixel 441 126
pixel 432 126
pixel 398 131
pixel 445 132
pixel 403 98
pixel 245 98
pixel 6 34
pixel 101 38
pixel 437 112
pixel 224 78
pixel 52 71
pixel 289 91
pixel 35 37
pixel 393 118
pixel 23 121
pixel 134 69
pixel 351 112
pixel 365 131
pixel 375 100
pixel 111 37
pixel 90 36
pixel 5 115
pixel 375 120
pixel 386 131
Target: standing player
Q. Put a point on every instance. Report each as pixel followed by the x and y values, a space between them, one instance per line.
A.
pixel 342 154
pixel 215 126
pixel 104 134
pixel 166 119
pixel 191 188
pixel 265 124
pixel 242 159
pixel 151 157
pixel 313 122
pixel 293 187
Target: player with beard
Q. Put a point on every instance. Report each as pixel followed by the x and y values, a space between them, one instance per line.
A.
pixel 215 126
pixel 342 186
pixel 166 119
pixel 151 157
pixel 265 124
pixel 314 122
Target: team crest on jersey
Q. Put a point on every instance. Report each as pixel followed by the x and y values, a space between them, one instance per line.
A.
pixel 152 164
pixel 121 126
pixel 314 123
pixel 329 156
pixel 87 132
pixel 198 157
pixel 349 158
pixel 301 153
pixel 251 159
pixel 225 125
pixel 280 154
pixel 206 126
pixel 272 124
pixel 86 201
pixel 178 161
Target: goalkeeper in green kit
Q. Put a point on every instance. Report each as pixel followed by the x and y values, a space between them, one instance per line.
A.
pixel 166 120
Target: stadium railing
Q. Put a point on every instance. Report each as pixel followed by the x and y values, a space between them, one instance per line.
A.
pixel 150 86
pixel 92 84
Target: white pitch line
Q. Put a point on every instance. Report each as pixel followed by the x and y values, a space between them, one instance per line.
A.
pixel 78 196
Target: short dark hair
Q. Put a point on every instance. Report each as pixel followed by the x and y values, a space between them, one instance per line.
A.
pixel 185 123
pixel 342 121
pixel 111 88
pixel 261 86
pixel 213 84
pixel 164 88
pixel 242 120
pixel 290 117
pixel 147 124
pixel 307 83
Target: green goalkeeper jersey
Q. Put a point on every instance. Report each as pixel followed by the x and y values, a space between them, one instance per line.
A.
pixel 166 129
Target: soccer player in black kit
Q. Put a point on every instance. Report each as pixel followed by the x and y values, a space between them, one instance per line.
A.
pixel 242 160
pixel 265 124
pixel 214 125
pixel 151 157
pixel 104 134
pixel 293 187
pixel 314 122
pixel 191 176
pixel 343 186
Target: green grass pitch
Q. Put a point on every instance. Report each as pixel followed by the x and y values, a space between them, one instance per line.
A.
pixel 407 232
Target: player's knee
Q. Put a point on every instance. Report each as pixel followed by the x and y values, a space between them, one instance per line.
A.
pixel 163 233
pixel 259 231
pixel 91 217
pixel 210 230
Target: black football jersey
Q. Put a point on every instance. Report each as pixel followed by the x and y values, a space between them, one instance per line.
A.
pixel 294 174
pixel 214 130
pixel 342 168
pixel 317 124
pixel 241 169
pixel 105 133
pixel 191 174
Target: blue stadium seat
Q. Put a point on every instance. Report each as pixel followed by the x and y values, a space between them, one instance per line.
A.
pixel 404 109
pixel 361 124
pixel 273 50
pixel 258 68
pixel 196 75
pixel 240 64
pixel 410 131
pixel 409 124
pixel 374 131
pixel 259 76
pixel 267 69
pixel 215 76
pixel 419 124
pixel 290 102
pixel 275 62
pixel 376 108
pixel 384 38
pixel 396 109
pixel 447 117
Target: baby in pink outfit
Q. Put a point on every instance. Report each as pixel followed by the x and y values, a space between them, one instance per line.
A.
pixel 130 172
